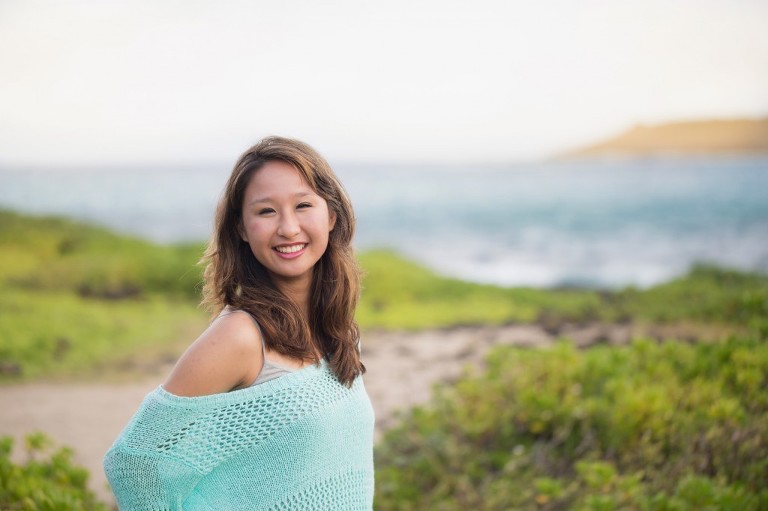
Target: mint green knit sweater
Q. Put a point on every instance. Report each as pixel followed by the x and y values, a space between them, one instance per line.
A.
pixel 301 441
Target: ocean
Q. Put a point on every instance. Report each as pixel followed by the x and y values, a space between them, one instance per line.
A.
pixel 602 224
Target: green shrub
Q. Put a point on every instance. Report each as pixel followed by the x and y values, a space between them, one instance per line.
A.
pixel 706 294
pixel 668 426
pixel 56 254
pixel 47 481
pixel 74 297
pixel 400 294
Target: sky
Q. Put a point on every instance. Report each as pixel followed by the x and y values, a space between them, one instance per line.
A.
pixel 396 81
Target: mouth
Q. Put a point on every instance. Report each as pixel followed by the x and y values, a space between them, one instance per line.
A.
pixel 290 250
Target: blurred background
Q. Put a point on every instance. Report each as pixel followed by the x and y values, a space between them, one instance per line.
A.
pixel 590 173
pixel 451 125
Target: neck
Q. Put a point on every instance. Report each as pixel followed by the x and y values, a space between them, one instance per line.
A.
pixel 298 292
pixel 300 296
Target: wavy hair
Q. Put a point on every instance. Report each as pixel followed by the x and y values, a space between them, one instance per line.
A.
pixel 233 277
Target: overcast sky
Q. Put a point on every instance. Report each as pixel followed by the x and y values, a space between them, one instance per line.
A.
pixel 90 82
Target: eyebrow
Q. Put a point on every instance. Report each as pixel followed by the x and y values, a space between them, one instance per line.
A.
pixel 268 199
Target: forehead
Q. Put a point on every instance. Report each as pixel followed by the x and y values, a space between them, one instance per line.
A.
pixel 276 179
pixel 277 170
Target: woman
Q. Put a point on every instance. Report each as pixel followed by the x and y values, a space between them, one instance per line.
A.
pixel 266 409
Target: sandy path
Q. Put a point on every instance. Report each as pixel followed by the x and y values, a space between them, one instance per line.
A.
pixel 402 369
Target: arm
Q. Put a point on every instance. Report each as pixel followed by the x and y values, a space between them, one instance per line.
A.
pixel 226 356
pixel 155 463
pixel 141 481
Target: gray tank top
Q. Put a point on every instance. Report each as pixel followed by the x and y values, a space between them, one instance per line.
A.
pixel 270 370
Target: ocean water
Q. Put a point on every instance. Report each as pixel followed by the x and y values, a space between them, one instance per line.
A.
pixel 602 224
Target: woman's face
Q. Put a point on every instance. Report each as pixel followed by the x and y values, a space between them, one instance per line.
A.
pixel 285 223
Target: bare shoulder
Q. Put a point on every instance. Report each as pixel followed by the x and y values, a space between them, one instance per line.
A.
pixel 226 356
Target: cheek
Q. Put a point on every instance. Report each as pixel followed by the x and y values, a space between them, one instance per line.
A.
pixel 255 231
pixel 324 224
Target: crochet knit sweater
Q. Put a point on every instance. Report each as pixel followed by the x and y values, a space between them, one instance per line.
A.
pixel 301 441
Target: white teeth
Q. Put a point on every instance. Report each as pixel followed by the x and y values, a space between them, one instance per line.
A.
pixel 291 249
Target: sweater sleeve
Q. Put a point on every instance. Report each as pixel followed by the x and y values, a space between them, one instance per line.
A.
pixel 143 482
pixel 148 466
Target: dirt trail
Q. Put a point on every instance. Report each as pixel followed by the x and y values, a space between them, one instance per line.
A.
pixel 402 369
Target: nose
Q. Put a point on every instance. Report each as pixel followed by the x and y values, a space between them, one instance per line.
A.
pixel 289 225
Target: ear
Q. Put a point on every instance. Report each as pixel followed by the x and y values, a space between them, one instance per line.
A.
pixel 331 219
pixel 241 231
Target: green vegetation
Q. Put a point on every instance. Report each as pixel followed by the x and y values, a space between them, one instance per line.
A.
pixel 60 334
pixel 649 426
pixel 401 294
pixel 398 293
pixel 56 254
pixel 706 294
pixel 47 481
pixel 77 299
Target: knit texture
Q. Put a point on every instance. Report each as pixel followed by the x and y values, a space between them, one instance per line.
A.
pixel 301 441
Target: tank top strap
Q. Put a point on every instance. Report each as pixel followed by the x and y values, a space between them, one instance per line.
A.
pixel 269 370
pixel 263 343
pixel 258 329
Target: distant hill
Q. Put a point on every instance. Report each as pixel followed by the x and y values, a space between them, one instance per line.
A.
pixel 736 136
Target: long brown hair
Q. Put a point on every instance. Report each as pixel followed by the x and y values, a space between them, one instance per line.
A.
pixel 234 278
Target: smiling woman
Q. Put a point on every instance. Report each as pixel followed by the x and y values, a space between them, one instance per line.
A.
pixel 286 224
pixel 266 409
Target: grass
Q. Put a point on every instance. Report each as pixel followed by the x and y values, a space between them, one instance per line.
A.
pixel 706 294
pixel 649 426
pixel 59 334
pixel 78 300
pixel 56 254
pixel 398 293
pixel 75 299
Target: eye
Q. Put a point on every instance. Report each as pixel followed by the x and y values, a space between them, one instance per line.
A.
pixel 266 211
pixel 304 205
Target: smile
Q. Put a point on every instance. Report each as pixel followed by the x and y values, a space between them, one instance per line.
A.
pixel 291 249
